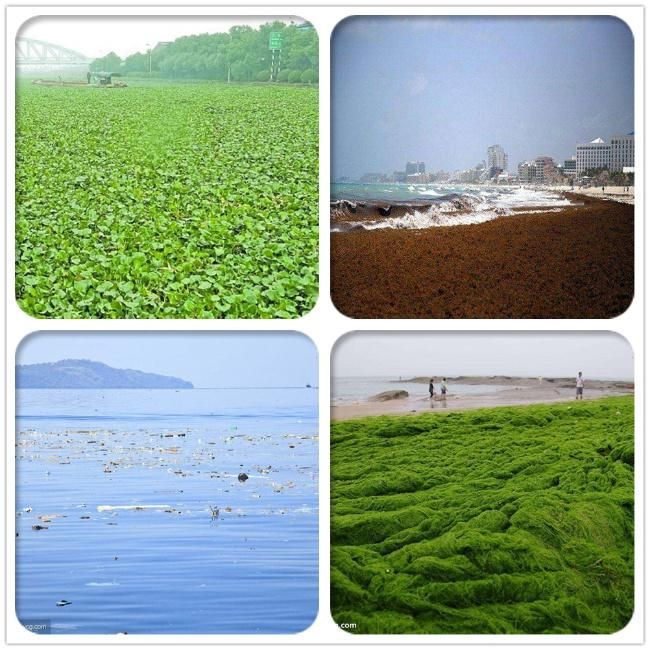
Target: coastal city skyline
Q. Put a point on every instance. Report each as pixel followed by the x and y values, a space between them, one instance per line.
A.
pixel 615 156
pixel 448 87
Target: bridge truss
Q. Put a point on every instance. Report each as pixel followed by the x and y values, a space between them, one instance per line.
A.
pixel 33 52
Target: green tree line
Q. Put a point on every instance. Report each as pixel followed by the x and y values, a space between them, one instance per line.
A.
pixel 241 54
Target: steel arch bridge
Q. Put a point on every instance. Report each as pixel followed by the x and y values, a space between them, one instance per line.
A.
pixel 32 52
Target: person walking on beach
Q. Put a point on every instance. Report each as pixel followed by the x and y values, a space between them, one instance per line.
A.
pixel 443 388
pixel 432 390
pixel 580 385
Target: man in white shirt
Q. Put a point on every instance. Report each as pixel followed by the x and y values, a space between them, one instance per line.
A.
pixel 580 384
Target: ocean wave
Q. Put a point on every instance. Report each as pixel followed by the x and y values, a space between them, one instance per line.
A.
pixel 449 209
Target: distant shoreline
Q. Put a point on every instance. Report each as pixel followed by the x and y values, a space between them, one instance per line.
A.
pixel 517 391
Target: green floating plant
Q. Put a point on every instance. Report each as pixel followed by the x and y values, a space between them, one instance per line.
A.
pixel 167 201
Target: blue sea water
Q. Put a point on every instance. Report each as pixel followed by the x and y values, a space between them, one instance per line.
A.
pixel 174 569
pixel 352 390
pixel 403 191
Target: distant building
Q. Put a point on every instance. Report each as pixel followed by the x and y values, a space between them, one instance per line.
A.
pixel 622 152
pixel 526 171
pixel 545 170
pixel 593 155
pixel 441 176
pixel 497 160
pixel 417 178
pixel 399 177
pixel 373 177
pixel 471 175
pixel 569 167
pixel 414 168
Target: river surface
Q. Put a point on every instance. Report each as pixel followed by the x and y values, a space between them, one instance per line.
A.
pixel 178 567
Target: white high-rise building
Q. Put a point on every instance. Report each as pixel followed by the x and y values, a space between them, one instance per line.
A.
pixel 622 152
pixel 593 155
pixel 526 171
pixel 497 160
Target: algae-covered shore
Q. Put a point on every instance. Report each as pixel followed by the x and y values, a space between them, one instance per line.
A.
pixel 505 520
pixel 575 263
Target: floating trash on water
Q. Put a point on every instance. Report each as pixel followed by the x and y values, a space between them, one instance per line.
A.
pixel 102 584
pixel 139 507
pixel 39 527
pixel 63 603
pixel 27 509
pixel 242 477
pixel 48 518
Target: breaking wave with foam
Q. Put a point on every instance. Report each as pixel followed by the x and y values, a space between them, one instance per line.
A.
pixel 450 206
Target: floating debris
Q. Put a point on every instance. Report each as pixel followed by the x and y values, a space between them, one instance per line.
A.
pixel 138 507
pixel 39 527
pixel 63 603
pixel 243 477
pixel 48 518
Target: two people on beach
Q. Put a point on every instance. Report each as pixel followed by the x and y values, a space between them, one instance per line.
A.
pixel 580 385
pixel 443 388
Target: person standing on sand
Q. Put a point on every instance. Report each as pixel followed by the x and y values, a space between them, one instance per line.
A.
pixel 443 388
pixel 580 385
pixel 432 390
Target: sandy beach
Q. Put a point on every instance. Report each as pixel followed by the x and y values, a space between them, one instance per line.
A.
pixel 573 262
pixel 516 391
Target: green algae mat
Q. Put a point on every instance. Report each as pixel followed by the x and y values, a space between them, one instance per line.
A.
pixel 164 200
pixel 495 521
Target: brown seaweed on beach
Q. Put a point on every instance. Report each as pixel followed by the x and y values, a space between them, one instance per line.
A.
pixel 575 263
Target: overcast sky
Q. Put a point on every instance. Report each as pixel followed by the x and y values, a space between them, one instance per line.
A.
pixel 519 354
pixel 96 36
pixel 207 359
pixel 442 89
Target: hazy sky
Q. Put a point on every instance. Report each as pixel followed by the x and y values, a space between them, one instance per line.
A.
pixel 523 354
pixel 206 359
pixel 442 89
pixel 96 36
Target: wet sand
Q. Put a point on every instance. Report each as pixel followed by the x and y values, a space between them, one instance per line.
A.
pixel 516 392
pixel 577 262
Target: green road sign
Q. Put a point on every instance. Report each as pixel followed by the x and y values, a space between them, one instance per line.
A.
pixel 275 41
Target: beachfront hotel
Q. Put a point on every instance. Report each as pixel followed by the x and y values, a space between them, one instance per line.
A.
pixel 596 154
pixel 414 167
pixel 497 160
pixel 622 152
pixel 526 171
pixel 544 169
